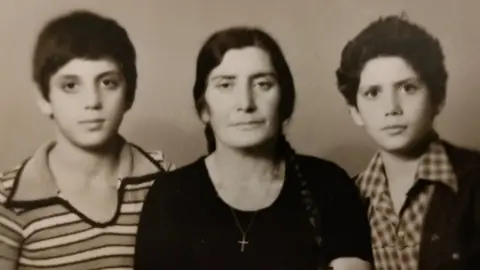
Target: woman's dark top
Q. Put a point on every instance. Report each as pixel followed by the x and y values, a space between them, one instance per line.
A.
pixel 185 225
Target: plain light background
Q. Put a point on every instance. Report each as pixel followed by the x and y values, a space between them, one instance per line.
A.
pixel 168 34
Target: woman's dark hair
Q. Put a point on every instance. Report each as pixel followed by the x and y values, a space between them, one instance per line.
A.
pixel 212 53
pixel 393 36
pixel 87 35
pixel 210 56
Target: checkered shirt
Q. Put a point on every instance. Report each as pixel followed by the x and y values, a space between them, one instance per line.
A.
pixel 396 238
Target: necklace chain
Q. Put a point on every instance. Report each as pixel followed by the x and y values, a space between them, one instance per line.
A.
pixel 243 242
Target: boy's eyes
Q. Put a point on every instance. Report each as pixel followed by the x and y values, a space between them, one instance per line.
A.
pixel 371 93
pixel 69 86
pixel 110 83
pixel 107 83
pixel 409 87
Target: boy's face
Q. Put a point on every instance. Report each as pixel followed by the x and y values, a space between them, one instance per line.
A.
pixel 87 100
pixel 393 104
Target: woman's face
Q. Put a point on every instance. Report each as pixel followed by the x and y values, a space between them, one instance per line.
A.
pixel 242 99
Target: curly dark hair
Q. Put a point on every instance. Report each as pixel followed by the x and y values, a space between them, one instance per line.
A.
pixel 393 36
pixel 83 34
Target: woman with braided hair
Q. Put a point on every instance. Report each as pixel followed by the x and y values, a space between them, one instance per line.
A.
pixel 252 202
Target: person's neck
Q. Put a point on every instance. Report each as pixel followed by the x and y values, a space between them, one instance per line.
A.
pixel 85 166
pixel 402 166
pixel 246 166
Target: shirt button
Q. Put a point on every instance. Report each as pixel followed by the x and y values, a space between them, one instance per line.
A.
pixel 456 256
pixel 435 237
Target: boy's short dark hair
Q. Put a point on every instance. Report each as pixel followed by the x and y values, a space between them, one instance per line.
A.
pixel 393 36
pixel 83 34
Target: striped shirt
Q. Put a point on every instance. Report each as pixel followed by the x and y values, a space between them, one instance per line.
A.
pixel 39 229
pixel 396 238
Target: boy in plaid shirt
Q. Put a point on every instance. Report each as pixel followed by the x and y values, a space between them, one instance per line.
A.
pixel 422 193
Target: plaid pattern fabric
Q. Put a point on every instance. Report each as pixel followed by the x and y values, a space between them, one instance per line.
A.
pixel 396 238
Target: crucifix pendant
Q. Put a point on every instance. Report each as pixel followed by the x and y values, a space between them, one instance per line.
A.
pixel 243 242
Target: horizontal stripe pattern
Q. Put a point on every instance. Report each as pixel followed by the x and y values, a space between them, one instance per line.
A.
pixel 48 235
pixel 11 233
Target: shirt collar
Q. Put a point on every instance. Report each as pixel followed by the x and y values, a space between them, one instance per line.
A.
pixel 35 180
pixel 434 166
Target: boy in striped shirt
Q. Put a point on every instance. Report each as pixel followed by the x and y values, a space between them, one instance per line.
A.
pixel 75 203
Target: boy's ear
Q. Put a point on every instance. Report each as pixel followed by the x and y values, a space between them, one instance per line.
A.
pixel 356 117
pixel 44 105
pixel 439 107
pixel 128 106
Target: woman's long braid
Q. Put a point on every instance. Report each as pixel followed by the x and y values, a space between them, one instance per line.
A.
pixel 310 205
pixel 286 151
pixel 210 137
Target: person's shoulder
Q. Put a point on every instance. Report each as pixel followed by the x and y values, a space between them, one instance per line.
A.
pixel 156 157
pixel 174 190
pixel 325 173
pixel 8 179
pixel 159 157
pixel 180 177
pixel 321 166
pixel 187 170
pixel 9 218
pixel 464 160
pixel 461 154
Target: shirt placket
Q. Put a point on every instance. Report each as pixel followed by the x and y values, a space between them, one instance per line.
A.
pixel 397 232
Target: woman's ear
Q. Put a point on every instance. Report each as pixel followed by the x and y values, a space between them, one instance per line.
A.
pixel 205 116
pixel 204 112
pixel 285 123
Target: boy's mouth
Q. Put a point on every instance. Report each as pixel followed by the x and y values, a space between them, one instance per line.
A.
pixel 394 129
pixel 92 121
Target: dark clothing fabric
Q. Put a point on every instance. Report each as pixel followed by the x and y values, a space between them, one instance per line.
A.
pixel 450 238
pixel 185 225
pixel 396 237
